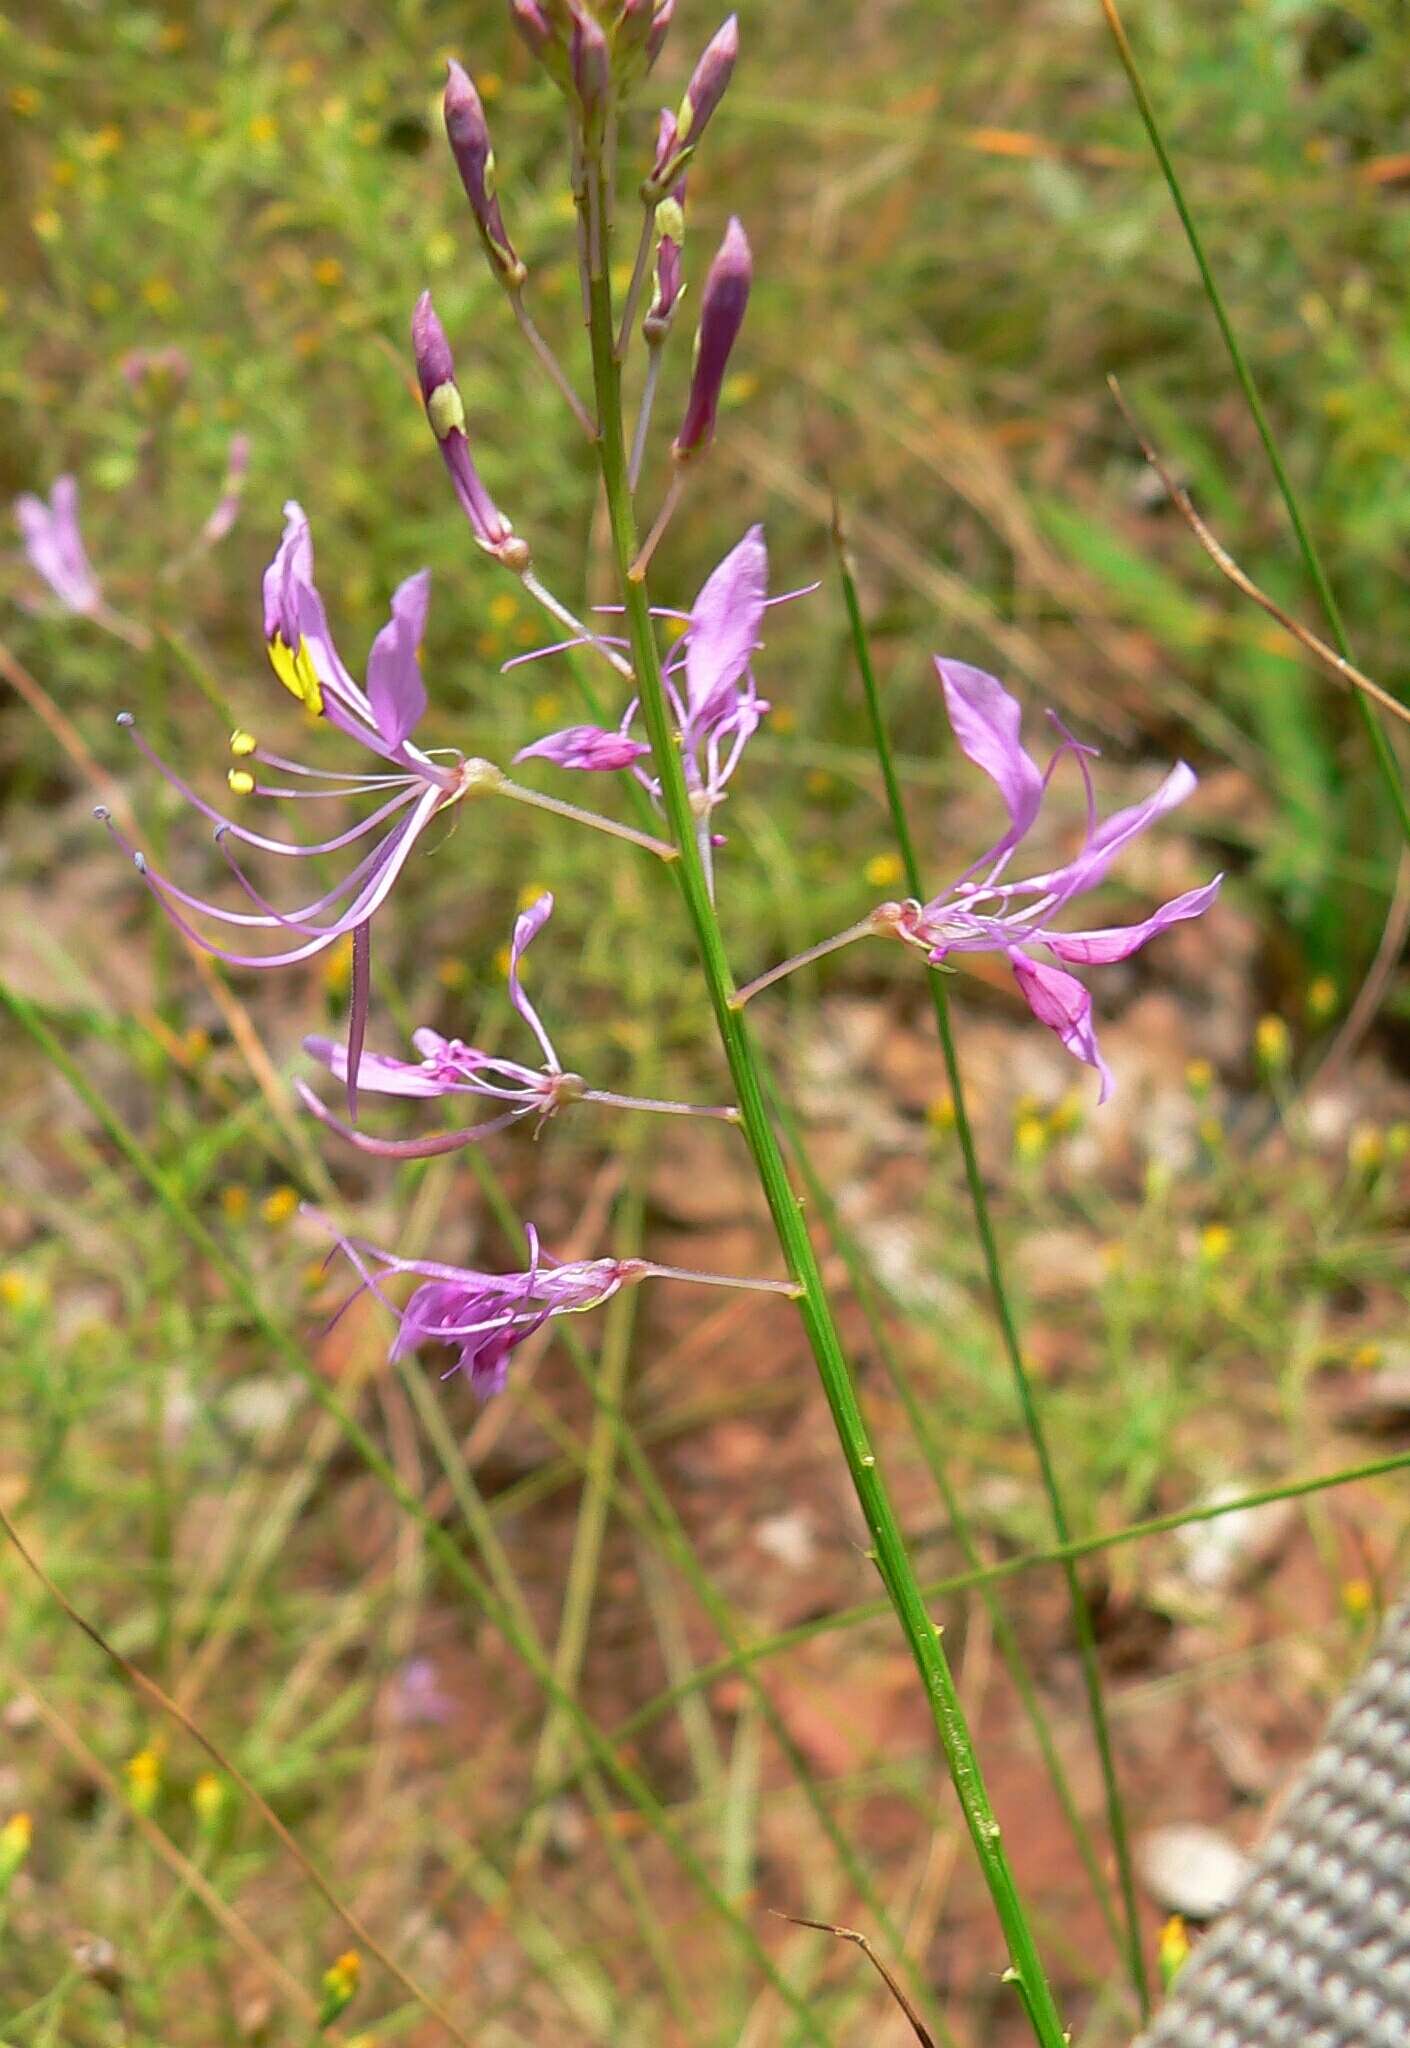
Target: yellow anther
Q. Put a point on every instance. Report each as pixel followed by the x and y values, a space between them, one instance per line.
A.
pixel 241 781
pixel 242 742
pixel 296 671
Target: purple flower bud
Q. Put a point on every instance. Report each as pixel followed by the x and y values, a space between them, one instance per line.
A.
pixel 445 409
pixel 533 25
pixel 474 158
pixel 660 29
pixel 722 305
pixel 708 81
pixel 591 62
pixel 670 226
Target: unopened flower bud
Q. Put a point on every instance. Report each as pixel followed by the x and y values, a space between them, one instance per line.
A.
pixel 660 29
pixel 470 145
pixel 722 304
pixel 670 227
pixel 445 409
pixel 591 63
pixel 533 25
pixel 708 81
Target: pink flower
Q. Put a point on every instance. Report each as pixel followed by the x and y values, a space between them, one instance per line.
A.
pixel 447 1066
pixel 54 547
pixel 991 915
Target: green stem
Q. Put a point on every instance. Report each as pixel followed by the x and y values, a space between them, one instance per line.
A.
pixel 1003 1308
pixel 889 1550
pixel 1312 561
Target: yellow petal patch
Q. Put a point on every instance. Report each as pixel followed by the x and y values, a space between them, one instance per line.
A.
pixel 296 672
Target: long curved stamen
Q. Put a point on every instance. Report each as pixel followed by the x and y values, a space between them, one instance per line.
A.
pixel 289 767
pixel 372 896
pixel 403 1148
pixel 297 920
pixel 264 921
pixel 260 839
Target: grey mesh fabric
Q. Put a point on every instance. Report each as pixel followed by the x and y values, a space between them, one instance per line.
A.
pixel 1315 1951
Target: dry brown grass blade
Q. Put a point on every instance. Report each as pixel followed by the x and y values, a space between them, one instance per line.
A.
pixel 153 1693
pixel 918 2026
pixel 236 1016
pixel 1224 562
pixel 180 1866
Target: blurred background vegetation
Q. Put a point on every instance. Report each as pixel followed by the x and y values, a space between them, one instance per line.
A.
pixel 958 230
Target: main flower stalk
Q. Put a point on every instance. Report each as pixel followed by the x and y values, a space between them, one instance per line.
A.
pixel 889 1550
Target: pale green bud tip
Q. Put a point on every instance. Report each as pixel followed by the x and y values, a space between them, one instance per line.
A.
pixel 445 409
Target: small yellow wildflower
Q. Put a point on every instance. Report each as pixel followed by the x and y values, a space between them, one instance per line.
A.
pixel 501 961
pixel 940 1112
pixel 1272 1042
pixel 1174 1949
pixel 883 871
pixel 1321 998
pixel 328 271
pixel 17 1290
pixel 15 1838
pixel 452 974
pixel 234 1202
pixel 208 1798
pixel 489 84
pixel 1365 1358
pixel 1066 1114
pixel 47 225
pixel 62 171
pixel 504 608
pixel 1216 1241
pixel 1211 1133
pixel 144 1779
pixel 160 294
pixel 340 1981
pixel 1366 1148
pixel 739 388
pixel 103 142
pixel 24 101
pixel 546 707
pixel 263 129
pixel 1030 1138
pixel 1199 1078
pixel 279 1205
pixel 337 968
pixel 1357 1598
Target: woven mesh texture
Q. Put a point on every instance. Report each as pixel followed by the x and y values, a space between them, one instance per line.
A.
pixel 1315 1951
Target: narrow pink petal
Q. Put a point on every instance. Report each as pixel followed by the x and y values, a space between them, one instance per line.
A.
pixel 724 624
pixel 1115 834
pixel 378 1072
pixel 1059 1000
pixel 585 746
pixel 394 686
pixel 527 926
pixel 986 722
pixel 1118 942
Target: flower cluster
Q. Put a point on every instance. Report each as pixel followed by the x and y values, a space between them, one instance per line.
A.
pixel 981 912
pixel 709 687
